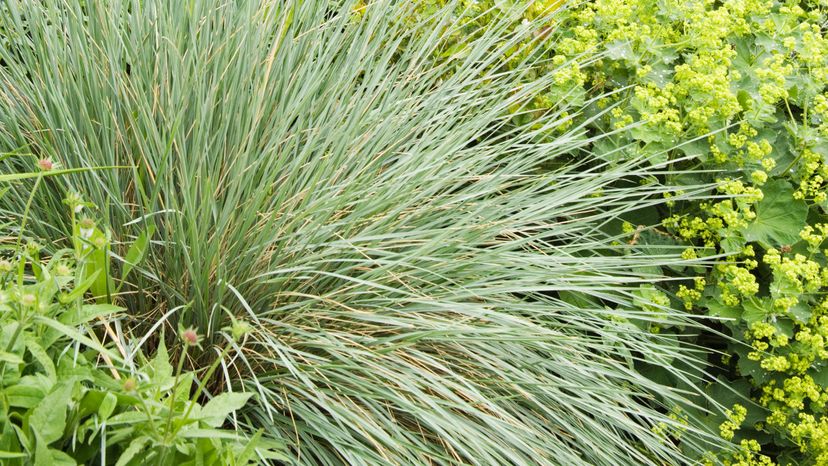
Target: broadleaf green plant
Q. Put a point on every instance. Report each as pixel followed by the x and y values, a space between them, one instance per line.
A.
pixel 67 393
pixel 420 287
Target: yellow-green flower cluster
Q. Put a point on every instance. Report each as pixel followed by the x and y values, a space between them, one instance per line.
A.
pixel 736 283
pixel 814 235
pixel 705 78
pixel 735 418
pixel 812 173
pixel 820 113
pixel 675 430
pixel 763 336
pixel 803 274
pixel 811 435
pixel 658 106
pixel 748 454
pixel 772 75
pixel 690 296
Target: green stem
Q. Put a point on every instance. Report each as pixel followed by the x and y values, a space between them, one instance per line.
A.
pixel 166 434
pixel 207 376
pixel 175 388
pixel 26 211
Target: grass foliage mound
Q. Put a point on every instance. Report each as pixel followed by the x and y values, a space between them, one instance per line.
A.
pixel 427 283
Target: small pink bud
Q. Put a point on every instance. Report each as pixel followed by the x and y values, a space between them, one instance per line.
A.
pixel 190 337
pixel 45 164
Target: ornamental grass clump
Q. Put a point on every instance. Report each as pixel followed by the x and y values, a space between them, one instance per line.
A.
pixel 413 283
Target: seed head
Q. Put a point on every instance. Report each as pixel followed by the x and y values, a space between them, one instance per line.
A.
pixel 45 164
pixel 28 299
pixel 99 242
pixel 62 270
pixel 32 247
pixel 239 329
pixel 74 201
pixel 130 384
pixel 190 337
pixel 87 226
pixel 5 266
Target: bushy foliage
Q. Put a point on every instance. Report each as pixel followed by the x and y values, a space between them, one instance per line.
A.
pixel 428 279
pixel 76 390
pixel 735 90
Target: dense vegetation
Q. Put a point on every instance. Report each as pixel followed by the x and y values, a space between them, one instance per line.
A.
pixel 68 398
pixel 430 232
pixel 734 91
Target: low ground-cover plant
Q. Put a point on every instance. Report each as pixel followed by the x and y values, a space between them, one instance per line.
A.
pixel 74 390
pixel 737 89
pixel 420 290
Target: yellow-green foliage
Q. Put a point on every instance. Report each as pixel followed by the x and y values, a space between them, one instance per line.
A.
pixel 736 88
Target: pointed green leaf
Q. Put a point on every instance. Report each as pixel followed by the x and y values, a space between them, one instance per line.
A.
pixel 48 419
pixel 215 412
pixel 133 449
pixel 88 312
pixel 10 358
pixel 28 391
pixel 24 176
pixel 40 356
pixel 77 336
pixel 79 290
pixel 98 261
pixel 108 404
pixel 137 251
pixel 160 370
